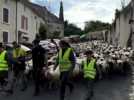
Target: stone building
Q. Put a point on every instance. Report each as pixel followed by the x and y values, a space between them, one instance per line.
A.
pixel 20 20
pixel 123 27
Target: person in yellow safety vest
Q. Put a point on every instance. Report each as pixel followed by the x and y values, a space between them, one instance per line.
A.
pixel 66 62
pixel 89 73
pixel 4 65
pixel 19 63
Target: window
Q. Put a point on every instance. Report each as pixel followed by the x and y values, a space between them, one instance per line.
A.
pixel 24 23
pixel 5 37
pixel 5 15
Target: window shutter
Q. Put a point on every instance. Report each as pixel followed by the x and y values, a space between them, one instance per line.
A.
pixel 26 23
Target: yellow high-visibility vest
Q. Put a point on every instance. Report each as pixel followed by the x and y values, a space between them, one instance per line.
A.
pixel 64 62
pixel 3 62
pixel 89 70
pixel 18 53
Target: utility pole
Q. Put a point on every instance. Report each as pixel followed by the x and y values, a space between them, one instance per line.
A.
pixel 16 30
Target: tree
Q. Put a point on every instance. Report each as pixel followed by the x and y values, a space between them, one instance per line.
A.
pixel 56 34
pixel 71 29
pixel 42 32
pixel 92 26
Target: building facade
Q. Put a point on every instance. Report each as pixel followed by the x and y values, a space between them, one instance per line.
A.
pixel 20 21
pixel 28 22
pixel 123 27
pixel 7 21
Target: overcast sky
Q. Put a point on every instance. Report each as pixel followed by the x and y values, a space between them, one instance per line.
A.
pixel 80 11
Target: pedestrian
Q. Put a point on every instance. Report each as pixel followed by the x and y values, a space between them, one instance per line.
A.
pixel 89 72
pixel 39 61
pixel 66 62
pixel 4 66
pixel 19 64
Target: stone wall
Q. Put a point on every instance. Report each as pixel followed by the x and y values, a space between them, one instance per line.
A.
pixel 121 28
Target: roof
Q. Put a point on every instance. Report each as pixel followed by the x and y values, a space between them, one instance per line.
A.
pixel 42 12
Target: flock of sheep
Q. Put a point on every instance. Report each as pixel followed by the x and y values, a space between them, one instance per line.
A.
pixel 111 60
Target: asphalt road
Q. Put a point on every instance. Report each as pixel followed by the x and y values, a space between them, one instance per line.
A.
pixel 117 88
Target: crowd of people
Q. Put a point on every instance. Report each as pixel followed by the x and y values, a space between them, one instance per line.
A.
pixel 98 59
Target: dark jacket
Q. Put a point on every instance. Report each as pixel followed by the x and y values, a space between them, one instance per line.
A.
pixel 38 57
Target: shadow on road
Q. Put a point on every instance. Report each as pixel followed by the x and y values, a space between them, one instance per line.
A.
pixel 116 88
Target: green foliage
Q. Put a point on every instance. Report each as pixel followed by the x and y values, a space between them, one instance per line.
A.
pixel 42 32
pixel 117 13
pixel 71 29
pixel 92 26
pixel 55 34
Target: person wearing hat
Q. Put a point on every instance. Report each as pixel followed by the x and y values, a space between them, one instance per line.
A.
pixel 89 73
pixel 66 62
pixel 4 66
pixel 19 64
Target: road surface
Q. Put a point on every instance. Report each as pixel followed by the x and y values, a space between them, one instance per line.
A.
pixel 117 88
